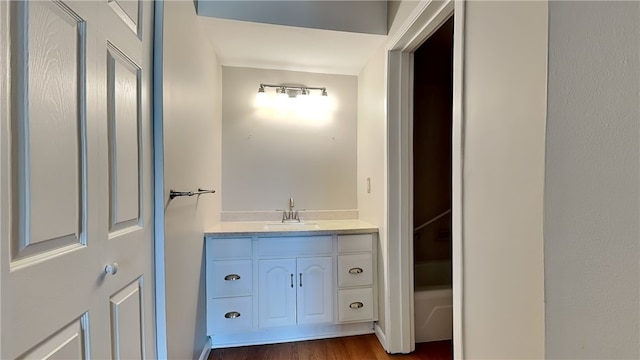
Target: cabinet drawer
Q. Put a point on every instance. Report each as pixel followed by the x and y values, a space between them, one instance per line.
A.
pixel 355 305
pixel 355 270
pixel 229 278
pixel 355 243
pixel 228 248
pixel 229 315
pixel 293 246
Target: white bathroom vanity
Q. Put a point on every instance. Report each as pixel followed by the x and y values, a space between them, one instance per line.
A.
pixel 269 282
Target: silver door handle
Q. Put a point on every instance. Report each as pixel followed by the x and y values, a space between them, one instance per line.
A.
pixel 356 270
pixel 232 277
pixel 111 269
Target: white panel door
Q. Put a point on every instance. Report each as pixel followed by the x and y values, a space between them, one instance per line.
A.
pixel 277 293
pixel 315 291
pixel 76 180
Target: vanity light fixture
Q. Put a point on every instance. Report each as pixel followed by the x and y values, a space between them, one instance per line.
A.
pixel 292 91
pixel 281 92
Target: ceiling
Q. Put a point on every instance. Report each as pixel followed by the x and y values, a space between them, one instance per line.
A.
pixel 267 46
pixel 361 16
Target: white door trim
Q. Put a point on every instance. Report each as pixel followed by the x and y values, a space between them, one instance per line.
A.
pixel 399 307
pixel 457 238
pixel 4 133
pixel 158 186
pixel 423 21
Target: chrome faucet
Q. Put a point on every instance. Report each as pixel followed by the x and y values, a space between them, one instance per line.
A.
pixel 291 215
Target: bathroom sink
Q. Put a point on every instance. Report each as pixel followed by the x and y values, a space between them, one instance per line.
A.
pixel 293 226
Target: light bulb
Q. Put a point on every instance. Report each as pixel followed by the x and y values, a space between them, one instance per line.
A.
pixel 262 99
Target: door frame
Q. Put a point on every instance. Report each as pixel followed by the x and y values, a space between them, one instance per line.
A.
pixel 158 185
pixel 426 18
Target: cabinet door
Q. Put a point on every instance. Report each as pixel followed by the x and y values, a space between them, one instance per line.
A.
pixel 277 295
pixel 315 290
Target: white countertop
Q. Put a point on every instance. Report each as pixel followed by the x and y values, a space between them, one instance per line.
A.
pixel 310 227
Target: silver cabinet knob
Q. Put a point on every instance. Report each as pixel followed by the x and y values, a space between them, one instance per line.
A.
pixel 232 277
pixel 356 270
pixel 111 269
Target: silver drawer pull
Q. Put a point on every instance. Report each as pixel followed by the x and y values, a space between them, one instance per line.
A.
pixel 232 315
pixel 232 277
pixel 356 305
pixel 355 270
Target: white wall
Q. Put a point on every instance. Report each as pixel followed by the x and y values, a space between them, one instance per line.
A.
pixel 592 197
pixel 372 124
pixel 192 148
pixel 271 155
pixel 504 116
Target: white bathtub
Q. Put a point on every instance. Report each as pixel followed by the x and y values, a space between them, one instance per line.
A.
pixel 433 302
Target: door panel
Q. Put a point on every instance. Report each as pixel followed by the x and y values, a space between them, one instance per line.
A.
pixel 126 322
pixel 123 94
pixel 129 11
pixel 75 123
pixel 48 127
pixel 315 290
pixel 68 343
pixel 277 303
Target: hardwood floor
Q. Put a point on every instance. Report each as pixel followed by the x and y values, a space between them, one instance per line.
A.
pixel 364 347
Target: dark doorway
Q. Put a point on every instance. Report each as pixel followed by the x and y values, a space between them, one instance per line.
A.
pixel 432 168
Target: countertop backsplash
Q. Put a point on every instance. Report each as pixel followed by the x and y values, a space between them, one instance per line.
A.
pixel 226 216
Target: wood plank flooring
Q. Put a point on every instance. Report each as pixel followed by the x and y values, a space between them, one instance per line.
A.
pixel 363 347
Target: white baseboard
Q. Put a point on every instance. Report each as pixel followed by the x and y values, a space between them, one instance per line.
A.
pixel 206 350
pixel 381 336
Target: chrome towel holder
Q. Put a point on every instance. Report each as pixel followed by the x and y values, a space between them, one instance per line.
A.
pixel 175 194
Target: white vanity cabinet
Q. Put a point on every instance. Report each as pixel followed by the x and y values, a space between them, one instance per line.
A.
pixel 268 287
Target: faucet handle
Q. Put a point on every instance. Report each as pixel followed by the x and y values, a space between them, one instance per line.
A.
pixel 284 214
pixel 297 214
